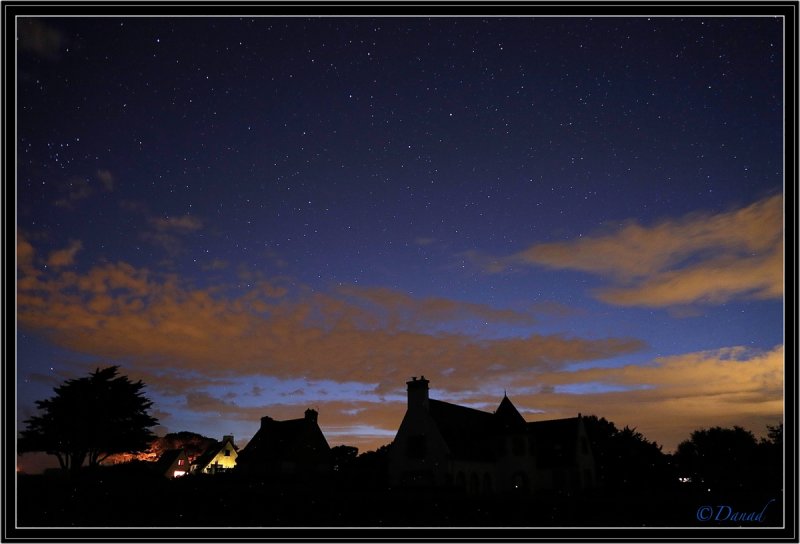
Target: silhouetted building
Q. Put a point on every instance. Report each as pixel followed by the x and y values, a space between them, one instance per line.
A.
pixel 294 446
pixel 173 463
pixel 443 444
pixel 219 457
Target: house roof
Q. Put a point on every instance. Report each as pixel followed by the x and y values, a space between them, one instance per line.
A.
pixel 469 433
pixel 292 439
pixel 169 457
pixel 508 417
pixel 211 452
pixel 464 429
pixel 555 441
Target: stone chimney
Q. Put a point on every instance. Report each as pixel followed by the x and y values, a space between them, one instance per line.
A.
pixel 417 393
pixel 226 438
pixel 311 415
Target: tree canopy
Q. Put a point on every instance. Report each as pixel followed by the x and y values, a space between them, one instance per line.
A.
pixel 624 458
pixel 731 458
pixel 89 419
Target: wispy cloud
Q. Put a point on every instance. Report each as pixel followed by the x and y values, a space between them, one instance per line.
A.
pixel 727 386
pixel 78 189
pixel 700 258
pixel 167 232
pixel 403 310
pixel 107 179
pixel 182 223
pixel 121 312
pixel 66 256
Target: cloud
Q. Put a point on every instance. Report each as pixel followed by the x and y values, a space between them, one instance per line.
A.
pixel 167 232
pixel 700 258
pixel 40 39
pixel 184 223
pixel 726 387
pixel 25 256
pixel 107 179
pixel 216 264
pixel 407 311
pixel 119 312
pixel 78 189
pixel 66 256
pixel 183 341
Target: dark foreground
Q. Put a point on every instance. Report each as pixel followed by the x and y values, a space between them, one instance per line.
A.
pixel 118 499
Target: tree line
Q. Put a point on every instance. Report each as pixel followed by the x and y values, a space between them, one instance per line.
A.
pixel 104 414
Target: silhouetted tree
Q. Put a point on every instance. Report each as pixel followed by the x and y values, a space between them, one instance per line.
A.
pixel 719 458
pixel 625 458
pixel 343 457
pixel 89 419
pixel 371 469
pixel 770 461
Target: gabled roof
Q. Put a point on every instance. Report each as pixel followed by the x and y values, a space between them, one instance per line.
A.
pixel 296 440
pixel 470 433
pixel 208 455
pixel 465 430
pixel 169 457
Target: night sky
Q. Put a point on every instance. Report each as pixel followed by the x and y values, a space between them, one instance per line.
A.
pixel 259 215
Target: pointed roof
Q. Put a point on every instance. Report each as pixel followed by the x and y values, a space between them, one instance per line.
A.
pixel 507 415
pixel 168 458
pixel 203 460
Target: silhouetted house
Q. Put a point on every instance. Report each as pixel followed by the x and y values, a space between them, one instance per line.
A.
pixel 290 447
pixel 444 444
pixel 219 457
pixel 173 463
pixel 564 459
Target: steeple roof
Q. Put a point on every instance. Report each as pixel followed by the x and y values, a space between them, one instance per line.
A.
pixel 507 414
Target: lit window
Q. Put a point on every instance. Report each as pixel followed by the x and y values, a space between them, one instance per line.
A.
pixel 180 462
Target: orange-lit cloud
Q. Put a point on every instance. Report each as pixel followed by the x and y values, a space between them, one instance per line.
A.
pixel 181 340
pixel 700 258
pixel 66 256
pixel 671 396
pixel 120 312
pixel 183 223
pixel 726 387
pixel 402 307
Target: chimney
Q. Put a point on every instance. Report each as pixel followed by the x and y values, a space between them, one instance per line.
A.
pixel 227 438
pixel 417 393
pixel 266 420
pixel 311 415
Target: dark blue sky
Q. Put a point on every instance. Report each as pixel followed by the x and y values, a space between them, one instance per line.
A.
pixel 254 215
